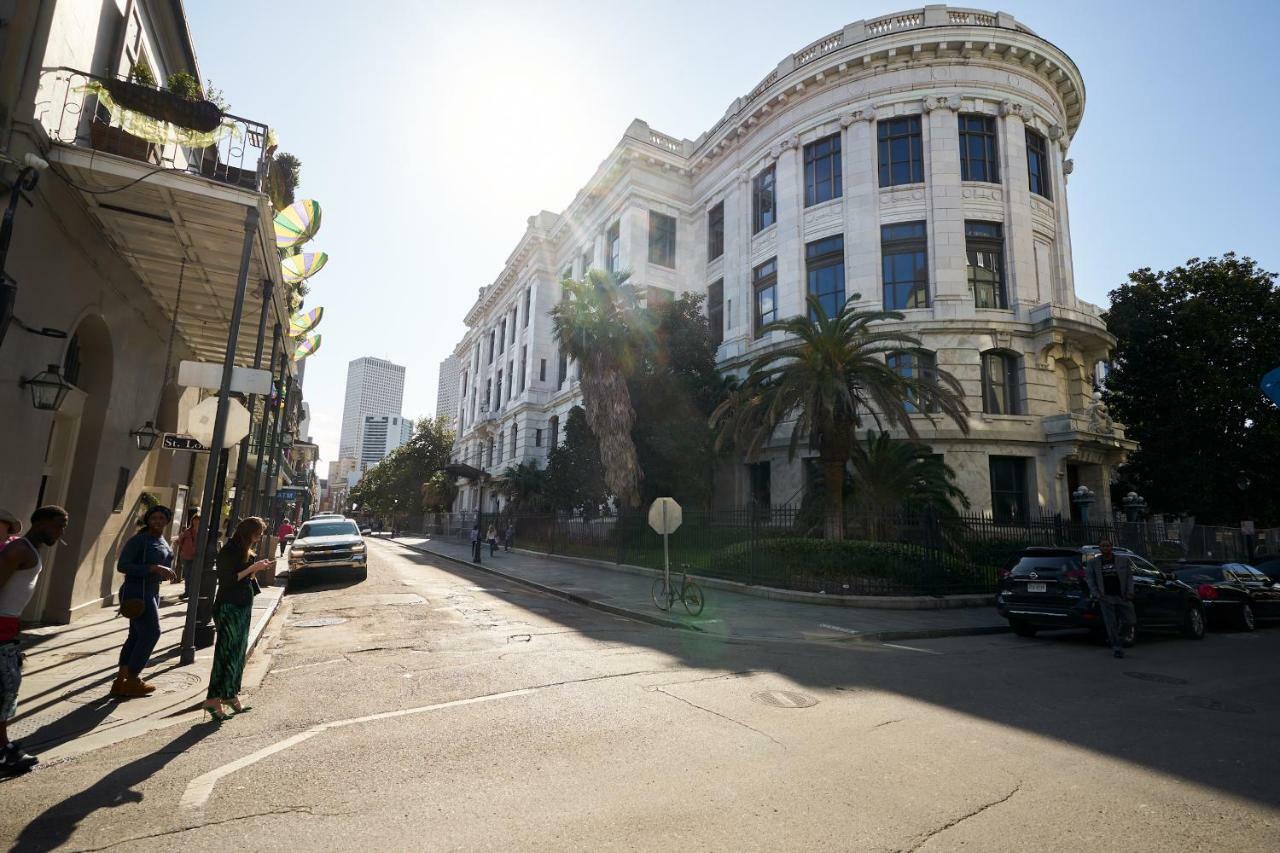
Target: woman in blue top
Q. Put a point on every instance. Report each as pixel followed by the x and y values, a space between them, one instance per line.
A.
pixel 145 562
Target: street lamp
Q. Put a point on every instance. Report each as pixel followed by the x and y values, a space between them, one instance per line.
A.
pixel 1083 497
pixel 48 389
pixel 1133 506
pixel 146 436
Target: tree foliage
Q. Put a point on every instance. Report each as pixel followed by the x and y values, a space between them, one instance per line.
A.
pixel 524 485
pixel 1192 344
pixel 396 484
pixel 575 473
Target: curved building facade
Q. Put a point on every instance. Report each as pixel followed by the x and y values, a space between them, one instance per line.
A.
pixel 916 162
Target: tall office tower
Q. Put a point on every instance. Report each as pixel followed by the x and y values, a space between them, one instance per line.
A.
pixel 374 386
pixel 447 391
pixel 381 434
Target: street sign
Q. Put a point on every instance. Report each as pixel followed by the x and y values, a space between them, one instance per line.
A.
pixel 200 422
pixel 665 516
pixel 208 374
pixel 288 493
pixel 1248 528
pixel 174 441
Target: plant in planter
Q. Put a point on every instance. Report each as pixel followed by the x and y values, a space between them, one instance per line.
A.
pixel 141 74
pixel 286 171
pixel 185 86
pixel 182 105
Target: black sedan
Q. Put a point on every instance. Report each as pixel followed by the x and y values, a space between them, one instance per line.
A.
pixel 1233 593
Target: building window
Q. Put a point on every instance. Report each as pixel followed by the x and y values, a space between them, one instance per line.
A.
pixel 1038 164
pixel 502 338
pixel 464 386
pixel 488 388
pixel 528 304
pixel 1000 384
pixel 764 211
pixel 715 311
pixel 984 244
pixel 515 432
pixel 498 388
pixel 514 316
pixel 1009 488
pixel 915 365
pixel 511 379
pixel 491 345
pixel 613 247
pixel 524 364
pixel 502 442
pixel 555 432
pixel 901 150
pixel 662 239
pixel 824 263
pixel 822 170
pixel 978 160
pixel 542 370
pixel 562 370
pixel 587 256
pixel 537 438
pixel 905 262
pixel 715 232
pixel 489 463
pixel 765 284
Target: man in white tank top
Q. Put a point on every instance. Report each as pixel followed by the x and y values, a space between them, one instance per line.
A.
pixel 20 567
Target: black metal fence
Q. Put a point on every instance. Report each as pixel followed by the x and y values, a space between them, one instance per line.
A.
pixel 886 554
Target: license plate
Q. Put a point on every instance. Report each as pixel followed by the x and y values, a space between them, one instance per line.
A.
pixel 1036 587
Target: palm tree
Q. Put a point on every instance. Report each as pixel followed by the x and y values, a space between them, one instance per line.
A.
pixel 599 326
pixel 523 484
pixel 827 380
pixel 890 474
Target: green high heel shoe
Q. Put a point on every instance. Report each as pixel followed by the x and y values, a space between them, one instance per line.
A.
pixel 237 708
pixel 216 714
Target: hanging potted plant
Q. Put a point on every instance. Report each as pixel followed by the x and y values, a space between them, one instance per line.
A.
pixel 114 140
pixel 182 103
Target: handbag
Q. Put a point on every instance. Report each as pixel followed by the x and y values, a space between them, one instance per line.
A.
pixel 132 608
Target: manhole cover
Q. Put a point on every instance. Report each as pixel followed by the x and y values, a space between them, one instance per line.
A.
pixel 1157 678
pixel 322 622
pixel 1209 703
pixel 784 699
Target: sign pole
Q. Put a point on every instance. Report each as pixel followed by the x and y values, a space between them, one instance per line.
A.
pixel 666 554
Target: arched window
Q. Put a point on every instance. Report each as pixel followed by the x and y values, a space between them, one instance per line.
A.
pixel 918 365
pixel 1001 394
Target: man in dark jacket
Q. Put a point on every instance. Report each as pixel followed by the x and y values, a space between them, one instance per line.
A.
pixel 1110 580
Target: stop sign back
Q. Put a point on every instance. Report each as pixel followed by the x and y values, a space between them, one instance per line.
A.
pixel 665 515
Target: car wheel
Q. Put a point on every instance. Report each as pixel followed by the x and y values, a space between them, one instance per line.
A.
pixel 1023 629
pixel 1193 623
pixel 1246 621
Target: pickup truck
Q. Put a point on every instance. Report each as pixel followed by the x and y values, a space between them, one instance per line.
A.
pixel 328 543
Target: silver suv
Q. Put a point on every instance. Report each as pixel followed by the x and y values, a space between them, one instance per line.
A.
pixel 328 542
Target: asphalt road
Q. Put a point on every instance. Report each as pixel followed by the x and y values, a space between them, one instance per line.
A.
pixel 450 712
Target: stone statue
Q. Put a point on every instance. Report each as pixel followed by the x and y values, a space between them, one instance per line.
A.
pixel 1099 415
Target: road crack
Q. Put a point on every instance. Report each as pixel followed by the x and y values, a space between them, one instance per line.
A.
pixel 956 822
pixel 885 723
pixel 718 714
pixel 307 810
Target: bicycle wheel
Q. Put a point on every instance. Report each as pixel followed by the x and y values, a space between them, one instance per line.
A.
pixel 693 598
pixel 661 593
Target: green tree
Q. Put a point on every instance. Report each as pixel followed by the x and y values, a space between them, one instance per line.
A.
pixel 1192 344
pixel 891 475
pixel 575 473
pixel 596 325
pixel 524 485
pixel 396 483
pixel 828 378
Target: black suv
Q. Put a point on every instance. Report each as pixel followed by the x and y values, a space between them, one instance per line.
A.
pixel 1046 588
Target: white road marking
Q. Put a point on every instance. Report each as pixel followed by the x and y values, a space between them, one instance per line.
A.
pixel 200 788
pixel 306 665
pixel 838 628
pixel 911 648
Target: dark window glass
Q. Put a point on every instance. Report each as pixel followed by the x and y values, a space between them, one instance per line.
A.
pixel 765 284
pixel 1000 392
pixel 978 161
pixel 562 370
pixel 502 338
pixel 501 443
pixel 918 365
pixel 515 432
pixel 1009 488
pixel 763 209
pixel 613 247
pixel 524 364
pixel 824 264
pixel 715 232
pixel 662 239
pixel 905 262
pixel 489 464
pixel 1038 164
pixel 491 345
pixel 715 311
pixel 555 431
pixel 488 391
pixel 984 245
pixel 122 488
pixel 528 303
pixel 514 315
pixel 901 151
pixel 511 379
pixel 537 438
pixel 822 170
pixel 498 387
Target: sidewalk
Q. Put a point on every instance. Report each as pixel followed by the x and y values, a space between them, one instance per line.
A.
pixel 727 614
pixel 63 707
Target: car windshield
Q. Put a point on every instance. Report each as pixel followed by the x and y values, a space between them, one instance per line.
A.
pixel 1048 563
pixel 1199 574
pixel 329 528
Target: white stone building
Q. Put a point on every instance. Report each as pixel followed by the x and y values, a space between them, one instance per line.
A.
pixel 374 386
pixel 447 390
pixel 914 162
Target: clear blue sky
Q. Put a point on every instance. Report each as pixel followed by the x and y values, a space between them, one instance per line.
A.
pixel 429 132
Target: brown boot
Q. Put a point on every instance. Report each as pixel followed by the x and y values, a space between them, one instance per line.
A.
pixel 121 677
pixel 132 688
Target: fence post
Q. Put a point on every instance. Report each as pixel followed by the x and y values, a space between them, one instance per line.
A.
pixel 751 551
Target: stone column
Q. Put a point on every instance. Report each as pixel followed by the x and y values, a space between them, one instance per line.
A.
pixel 948 273
pixel 861 208
pixel 1019 241
pixel 789 203
pixel 1064 290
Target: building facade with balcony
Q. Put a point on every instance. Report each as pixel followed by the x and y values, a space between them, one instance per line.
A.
pixel 132 250
pixel 915 162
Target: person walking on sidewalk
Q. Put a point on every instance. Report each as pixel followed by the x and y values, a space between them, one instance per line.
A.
pixel 1110 580
pixel 492 537
pixel 232 612
pixel 284 531
pixel 20 567
pixel 186 547
pixel 475 543
pixel 510 535
pixel 145 561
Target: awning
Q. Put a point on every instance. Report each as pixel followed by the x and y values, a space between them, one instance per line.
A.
pixel 462 469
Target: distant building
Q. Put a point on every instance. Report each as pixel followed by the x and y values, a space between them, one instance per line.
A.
pixel 374 386
pixel 447 390
pixel 381 434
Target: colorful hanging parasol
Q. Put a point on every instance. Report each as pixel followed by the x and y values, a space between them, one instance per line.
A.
pixel 297 223
pixel 303 266
pixel 300 323
pixel 307 346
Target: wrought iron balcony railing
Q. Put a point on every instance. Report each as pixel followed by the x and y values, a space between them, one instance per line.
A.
pixel 72 114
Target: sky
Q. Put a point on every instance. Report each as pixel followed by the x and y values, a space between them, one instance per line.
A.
pixel 431 131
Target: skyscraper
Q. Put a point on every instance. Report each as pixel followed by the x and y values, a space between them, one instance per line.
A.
pixel 380 435
pixel 447 390
pixel 374 386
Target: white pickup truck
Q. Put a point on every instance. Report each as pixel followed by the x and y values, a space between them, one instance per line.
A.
pixel 325 543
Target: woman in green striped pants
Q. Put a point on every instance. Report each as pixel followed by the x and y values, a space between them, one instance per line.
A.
pixel 232 609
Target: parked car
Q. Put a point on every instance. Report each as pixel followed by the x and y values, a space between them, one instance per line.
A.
pixel 328 543
pixel 1044 588
pixel 1233 593
pixel 1268 564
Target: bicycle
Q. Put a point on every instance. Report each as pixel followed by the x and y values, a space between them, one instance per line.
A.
pixel 687 593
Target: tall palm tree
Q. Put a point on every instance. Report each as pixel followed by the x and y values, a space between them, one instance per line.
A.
pixel 523 485
pixel 598 324
pixel 890 474
pixel 827 380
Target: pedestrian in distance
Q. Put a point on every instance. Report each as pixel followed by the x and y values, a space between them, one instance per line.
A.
pixel 10 527
pixel 145 561
pixel 232 609
pixel 510 535
pixel 186 548
pixel 20 567
pixel 492 537
pixel 284 531
pixel 1110 580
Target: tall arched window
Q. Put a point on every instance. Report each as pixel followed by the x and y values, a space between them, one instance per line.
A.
pixel 1001 380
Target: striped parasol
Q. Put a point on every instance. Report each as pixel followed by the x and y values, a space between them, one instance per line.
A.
pixel 297 223
pixel 301 267
pixel 307 346
pixel 303 322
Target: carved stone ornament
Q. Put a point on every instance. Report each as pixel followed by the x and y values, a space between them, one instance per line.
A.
pixel 1068 166
pixel 847 119
pixel 1008 108
pixel 1055 132
pixel 934 102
